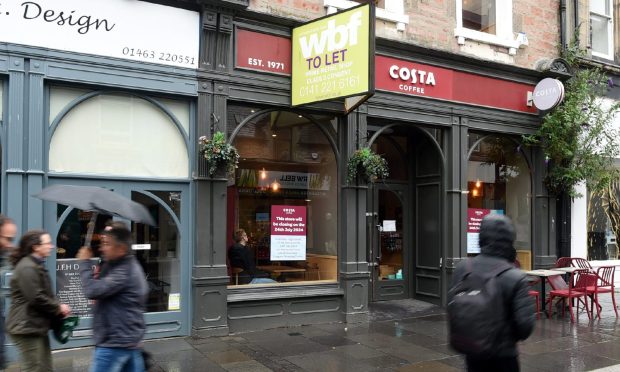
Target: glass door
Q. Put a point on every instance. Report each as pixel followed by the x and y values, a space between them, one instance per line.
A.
pixel 388 253
pixel 162 251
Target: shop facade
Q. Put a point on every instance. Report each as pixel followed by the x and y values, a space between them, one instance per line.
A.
pixel 449 126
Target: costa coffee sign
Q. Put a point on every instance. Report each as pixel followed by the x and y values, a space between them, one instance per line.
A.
pixel 410 78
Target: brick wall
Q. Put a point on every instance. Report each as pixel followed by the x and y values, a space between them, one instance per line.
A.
pixel 432 23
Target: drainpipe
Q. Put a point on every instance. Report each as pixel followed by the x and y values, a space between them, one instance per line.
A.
pixel 563 24
pixel 576 20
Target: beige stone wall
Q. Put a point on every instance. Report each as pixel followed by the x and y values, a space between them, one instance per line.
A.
pixel 432 23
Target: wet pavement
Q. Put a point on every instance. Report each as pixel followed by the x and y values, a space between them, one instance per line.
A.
pixel 401 336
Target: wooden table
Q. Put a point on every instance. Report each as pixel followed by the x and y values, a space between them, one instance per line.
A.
pixel 543 274
pixel 278 270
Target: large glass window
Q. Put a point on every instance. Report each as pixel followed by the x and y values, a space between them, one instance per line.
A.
pixel 603 221
pixel 499 181
pixel 118 134
pixel 601 28
pixel 284 197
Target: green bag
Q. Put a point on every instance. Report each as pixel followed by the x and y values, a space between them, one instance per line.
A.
pixel 63 328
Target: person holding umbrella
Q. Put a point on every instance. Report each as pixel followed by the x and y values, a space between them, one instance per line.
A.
pixel 33 304
pixel 120 292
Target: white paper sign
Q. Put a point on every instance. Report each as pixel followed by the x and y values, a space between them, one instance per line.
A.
pixel 389 225
pixel 174 301
pixel 140 247
pixel 134 30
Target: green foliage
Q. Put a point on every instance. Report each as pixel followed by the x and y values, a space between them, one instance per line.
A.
pixel 367 165
pixel 577 137
pixel 219 154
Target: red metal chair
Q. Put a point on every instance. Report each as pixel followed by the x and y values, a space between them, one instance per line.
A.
pixel 576 290
pixel 581 263
pixel 604 283
pixel 563 262
pixel 536 295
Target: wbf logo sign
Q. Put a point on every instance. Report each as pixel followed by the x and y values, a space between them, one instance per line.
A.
pixel 335 38
pixel 331 56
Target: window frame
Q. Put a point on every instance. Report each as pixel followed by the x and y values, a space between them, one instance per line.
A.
pixel 503 35
pixel 610 31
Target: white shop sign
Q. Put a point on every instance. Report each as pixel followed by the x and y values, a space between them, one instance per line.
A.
pixel 128 29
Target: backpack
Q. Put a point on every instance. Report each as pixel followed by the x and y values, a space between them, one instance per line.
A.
pixel 476 312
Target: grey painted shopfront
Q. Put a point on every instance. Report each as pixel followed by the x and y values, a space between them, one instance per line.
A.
pixel 143 121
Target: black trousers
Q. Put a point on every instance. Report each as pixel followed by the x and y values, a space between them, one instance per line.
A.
pixel 504 364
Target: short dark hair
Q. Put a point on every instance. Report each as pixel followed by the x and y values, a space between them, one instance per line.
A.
pixel 238 235
pixel 119 231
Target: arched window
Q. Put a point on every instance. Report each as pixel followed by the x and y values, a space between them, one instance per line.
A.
pixel 284 196
pixel 499 181
pixel 118 134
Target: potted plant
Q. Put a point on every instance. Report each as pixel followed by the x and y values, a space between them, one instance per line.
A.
pixel 366 165
pixel 220 156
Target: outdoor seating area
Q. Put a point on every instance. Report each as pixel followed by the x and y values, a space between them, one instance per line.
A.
pixel 573 282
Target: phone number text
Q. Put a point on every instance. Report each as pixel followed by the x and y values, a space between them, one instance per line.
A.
pixel 159 56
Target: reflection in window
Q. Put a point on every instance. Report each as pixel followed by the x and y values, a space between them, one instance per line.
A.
pixel 602 205
pixel 159 255
pixel 287 163
pixel 499 181
pixel 479 15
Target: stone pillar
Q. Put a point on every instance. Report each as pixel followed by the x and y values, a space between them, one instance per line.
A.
pixel 354 274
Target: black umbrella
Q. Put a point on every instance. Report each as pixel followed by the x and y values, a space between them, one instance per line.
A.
pixel 98 200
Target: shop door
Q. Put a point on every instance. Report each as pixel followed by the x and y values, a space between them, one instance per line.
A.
pixel 389 242
pixel 162 250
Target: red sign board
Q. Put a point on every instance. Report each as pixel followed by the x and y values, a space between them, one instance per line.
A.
pixel 397 75
pixel 288 233
pixel 263 52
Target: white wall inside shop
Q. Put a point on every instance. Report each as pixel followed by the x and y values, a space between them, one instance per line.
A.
pixel 579 219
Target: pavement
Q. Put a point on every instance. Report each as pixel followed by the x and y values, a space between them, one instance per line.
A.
pixel 405 335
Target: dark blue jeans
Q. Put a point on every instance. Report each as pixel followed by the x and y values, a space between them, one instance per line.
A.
pixel 116 359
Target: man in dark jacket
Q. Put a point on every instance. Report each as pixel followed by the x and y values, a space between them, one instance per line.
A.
pixel 120 293
pixel 497 235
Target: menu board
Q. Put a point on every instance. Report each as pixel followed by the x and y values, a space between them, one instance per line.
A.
pixel 288 233
pixel 69 287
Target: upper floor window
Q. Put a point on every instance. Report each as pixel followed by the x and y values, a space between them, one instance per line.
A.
pixel 488 21
pixel 392 11
pixel 601 28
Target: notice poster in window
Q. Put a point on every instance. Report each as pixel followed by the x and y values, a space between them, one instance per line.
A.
pixel 474 218
pixel 69 287
pixel 288 233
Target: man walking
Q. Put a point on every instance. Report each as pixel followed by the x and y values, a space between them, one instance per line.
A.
pixel 119 292
pixel 489 309
pixel 8 232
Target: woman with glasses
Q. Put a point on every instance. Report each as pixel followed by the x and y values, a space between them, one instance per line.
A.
pixel 33 304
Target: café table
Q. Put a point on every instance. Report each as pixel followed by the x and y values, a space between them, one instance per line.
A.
pixel 278 270
pixel 543 275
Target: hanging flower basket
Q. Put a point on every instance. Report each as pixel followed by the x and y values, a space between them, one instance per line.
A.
pixel 220 155
pixel 367 166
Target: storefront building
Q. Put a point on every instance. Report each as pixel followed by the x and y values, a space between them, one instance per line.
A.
pixel 129 119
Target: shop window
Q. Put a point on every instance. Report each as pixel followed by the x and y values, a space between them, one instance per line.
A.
pixel 601 28
pixel 157 249
pixel 1 101
pixel 499 181
pixel 284 197
pixel 601 239
pixel 488 21
pixel 118 134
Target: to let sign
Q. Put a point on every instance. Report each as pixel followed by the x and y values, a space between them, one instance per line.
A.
pixel 263 52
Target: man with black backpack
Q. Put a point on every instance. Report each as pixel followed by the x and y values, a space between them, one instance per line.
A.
pixel 489 309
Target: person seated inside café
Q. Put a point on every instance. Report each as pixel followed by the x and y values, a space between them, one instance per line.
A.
pixel 240 256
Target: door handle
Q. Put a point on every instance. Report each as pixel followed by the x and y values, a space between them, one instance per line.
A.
pixel 373 264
